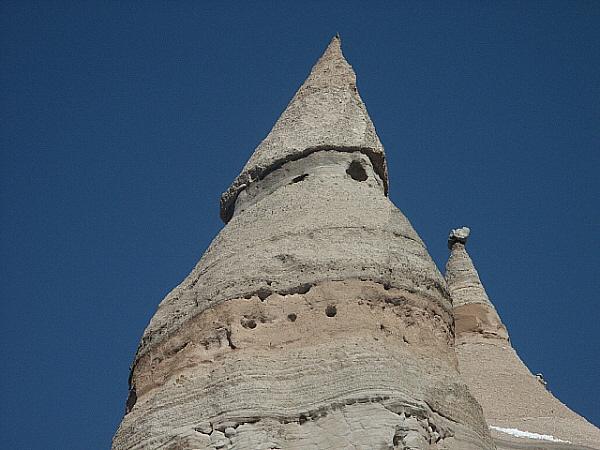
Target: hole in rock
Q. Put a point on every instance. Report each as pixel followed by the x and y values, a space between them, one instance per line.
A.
pixel 263 293
pixel 357 171
pixel 248 323
pixel 331 311
pixel 303 288
pixel 299 178
pixel 292 317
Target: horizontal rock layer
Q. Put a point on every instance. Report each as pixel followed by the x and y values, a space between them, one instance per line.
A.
pixel 348 364
pixel 324 217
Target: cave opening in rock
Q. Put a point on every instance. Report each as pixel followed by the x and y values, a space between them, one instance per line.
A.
pixel 357 171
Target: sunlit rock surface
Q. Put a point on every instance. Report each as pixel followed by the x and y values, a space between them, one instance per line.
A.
pixel 316 319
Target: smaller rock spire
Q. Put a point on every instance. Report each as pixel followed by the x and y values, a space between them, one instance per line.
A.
pixel 473 311
pixel 511 396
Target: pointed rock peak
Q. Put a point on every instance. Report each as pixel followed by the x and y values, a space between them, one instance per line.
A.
pixel 332 70
pixel 334 48
pixel 326 113
pixel 473 311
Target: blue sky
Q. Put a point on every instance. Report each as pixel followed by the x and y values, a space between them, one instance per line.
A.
pixel 123 122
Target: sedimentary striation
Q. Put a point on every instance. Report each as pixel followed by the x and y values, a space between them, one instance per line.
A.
pixel 520 410
pixel 316 319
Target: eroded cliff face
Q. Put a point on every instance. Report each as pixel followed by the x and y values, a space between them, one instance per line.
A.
pixel 316 319
pixel 347 364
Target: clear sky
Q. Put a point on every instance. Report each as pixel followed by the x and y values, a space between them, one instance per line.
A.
pixel 123 122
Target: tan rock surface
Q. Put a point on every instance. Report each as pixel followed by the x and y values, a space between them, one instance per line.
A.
pixel 513 399
pixel 316 319
pixel 347 364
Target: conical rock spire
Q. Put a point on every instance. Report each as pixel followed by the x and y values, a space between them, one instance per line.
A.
pixel 326 113
pixel 316 318
pixel 473 310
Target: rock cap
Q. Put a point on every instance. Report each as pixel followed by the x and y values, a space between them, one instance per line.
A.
pixel 459 235
pixel 326 113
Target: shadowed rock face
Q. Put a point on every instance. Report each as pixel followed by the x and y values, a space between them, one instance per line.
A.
pixel 316 318
pixel 515 402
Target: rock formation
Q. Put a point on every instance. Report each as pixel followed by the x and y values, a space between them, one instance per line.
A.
pixel 316 319
pixel 521 412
